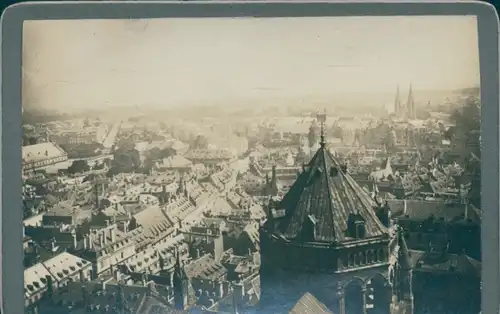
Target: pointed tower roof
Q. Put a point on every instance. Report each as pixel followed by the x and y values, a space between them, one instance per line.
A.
pixel 397 102
pixel 403 254
pixel 328 194
pixel 410 104
pixel 179 267
pixel 388 166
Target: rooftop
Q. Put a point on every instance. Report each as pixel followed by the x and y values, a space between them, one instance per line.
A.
pixel 326 195
pixel 308 304
pixel 42 151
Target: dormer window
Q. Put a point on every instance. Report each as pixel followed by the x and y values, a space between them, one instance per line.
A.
pixel 360 229
pixel 334 172
pixel 356 227
pixel 309 228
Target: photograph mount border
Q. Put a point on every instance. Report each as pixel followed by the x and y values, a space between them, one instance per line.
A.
pixel 11 292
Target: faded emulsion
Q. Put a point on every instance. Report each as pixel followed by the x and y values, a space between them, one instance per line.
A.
pixel 252 165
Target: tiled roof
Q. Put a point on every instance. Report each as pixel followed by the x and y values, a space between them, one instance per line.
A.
pixel 108 299
pixel 59 267
pixel 308 304
pixel 421 210
pixel 328 194
pixel 205 268
pixel 178 208
pixel 175 161
pixel 439 262
pixel 150 217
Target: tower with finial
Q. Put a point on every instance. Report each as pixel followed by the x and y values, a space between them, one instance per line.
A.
pixel 180 283
pixel 321 117
pixel 181 188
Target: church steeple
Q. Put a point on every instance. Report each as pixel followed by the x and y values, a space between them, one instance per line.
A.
pixel 402 297
pixel 180 283
pixel 410 104
pixel 397 103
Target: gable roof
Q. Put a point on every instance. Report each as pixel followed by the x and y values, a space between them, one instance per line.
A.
pixel 326 194
pixel 308 304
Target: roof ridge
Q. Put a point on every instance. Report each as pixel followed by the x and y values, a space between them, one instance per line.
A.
pixel 326 153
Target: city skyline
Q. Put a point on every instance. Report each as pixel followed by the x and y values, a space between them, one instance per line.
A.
pixel 91 64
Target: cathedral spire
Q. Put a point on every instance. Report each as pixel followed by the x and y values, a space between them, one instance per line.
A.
pixel 397 103
pixel 410 105
pixel 321 117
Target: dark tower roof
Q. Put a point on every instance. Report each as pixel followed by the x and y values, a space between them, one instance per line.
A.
pixel 179 272
pixel 326 195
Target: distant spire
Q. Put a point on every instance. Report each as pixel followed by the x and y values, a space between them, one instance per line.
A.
pixel 321 117
pixel 397 103
pixel 410 105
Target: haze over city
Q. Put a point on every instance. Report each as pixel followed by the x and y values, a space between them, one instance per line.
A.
pixel 169 62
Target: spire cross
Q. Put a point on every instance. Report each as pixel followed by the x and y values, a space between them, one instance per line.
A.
pixel 322 120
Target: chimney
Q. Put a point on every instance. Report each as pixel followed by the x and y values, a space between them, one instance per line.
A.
pixel 82 275
pixel 97 201
pixel 101 239
pixel 50 287
pixel 116 206
pixel 118 275
pixel 104 235
pixel 466 212
pixel 87 242
pixel 53 246
pixel 112 234
pixel 273 174
pixel 85 296
pixel 221 289
pixel 91 240
pixel 73 235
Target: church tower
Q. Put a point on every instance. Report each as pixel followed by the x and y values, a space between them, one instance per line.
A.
pixel 324 238
pixel 410 105
pixel 402 294
pixel 181 285
pixel 397 104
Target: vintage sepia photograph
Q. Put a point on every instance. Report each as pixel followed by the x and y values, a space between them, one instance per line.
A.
pixel 252 165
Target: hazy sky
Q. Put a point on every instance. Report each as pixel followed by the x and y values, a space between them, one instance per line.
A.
pixel 161 62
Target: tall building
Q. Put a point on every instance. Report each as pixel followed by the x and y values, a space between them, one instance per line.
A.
pixel 325 238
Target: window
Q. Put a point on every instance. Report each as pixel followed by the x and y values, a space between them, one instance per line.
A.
pixel 362 257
